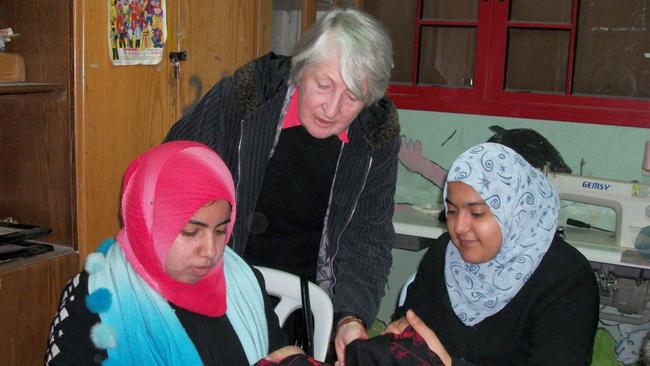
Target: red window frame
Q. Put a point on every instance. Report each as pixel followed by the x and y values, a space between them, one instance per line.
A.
pixel 488 97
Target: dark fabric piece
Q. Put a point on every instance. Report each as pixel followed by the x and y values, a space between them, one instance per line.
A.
pixel 405 349
pixel 288 221
pixel 240 118
pixel 214 338
pixel 551 321
pixel 295 360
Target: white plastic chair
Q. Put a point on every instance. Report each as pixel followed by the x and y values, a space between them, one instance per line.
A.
pixel 404 290
pixel 286 286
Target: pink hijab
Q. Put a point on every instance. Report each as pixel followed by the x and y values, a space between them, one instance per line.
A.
pixel 162 190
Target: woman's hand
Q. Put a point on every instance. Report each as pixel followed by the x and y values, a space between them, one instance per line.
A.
pixel 429 337
pixel 396 327
pixel 346 333
pixel 280 354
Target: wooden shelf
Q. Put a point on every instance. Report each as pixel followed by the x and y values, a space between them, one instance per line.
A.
pixel 29 88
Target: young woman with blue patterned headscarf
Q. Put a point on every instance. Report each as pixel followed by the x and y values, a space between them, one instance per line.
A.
pixel 500 288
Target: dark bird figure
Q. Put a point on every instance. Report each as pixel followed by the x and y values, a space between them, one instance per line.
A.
pixel 532 146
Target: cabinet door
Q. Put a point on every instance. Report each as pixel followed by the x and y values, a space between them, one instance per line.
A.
pixel 30 291
pixel 218 36
pixel 122 111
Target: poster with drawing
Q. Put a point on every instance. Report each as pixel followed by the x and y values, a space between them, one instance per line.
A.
pixel 137 31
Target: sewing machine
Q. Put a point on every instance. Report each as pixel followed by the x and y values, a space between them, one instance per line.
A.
pixel 623 274
pixel 630 202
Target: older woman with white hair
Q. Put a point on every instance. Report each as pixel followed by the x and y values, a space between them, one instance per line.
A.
pixel 313 143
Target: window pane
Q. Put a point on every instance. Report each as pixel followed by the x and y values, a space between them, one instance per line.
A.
pixel 537 60
pixel 447 56
pixel 450 10
pixel 323 6
pixel 613 49
pixel 285 27
pixel 346 3
pixel 555 11
pixel 402 32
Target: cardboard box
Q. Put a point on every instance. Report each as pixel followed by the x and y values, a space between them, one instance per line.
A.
pixel 12 68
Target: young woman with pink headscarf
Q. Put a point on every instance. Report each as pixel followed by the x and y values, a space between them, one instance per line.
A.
pixel 168 290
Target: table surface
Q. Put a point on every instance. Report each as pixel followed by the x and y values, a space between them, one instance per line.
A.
pixel 596 246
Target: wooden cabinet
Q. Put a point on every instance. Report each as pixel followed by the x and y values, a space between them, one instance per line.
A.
pixel 36 125
pixel 68 134
pixel 37 173
pixel 29 297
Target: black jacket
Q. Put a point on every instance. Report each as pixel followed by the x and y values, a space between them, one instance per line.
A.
pixel 551 321
pixel 241 118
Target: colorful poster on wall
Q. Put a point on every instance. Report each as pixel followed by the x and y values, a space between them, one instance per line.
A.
pixel 137 31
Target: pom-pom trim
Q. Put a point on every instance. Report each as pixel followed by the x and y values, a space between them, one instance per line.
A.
pixel 103 336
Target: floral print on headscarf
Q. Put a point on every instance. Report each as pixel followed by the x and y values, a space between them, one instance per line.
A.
pixel 526 207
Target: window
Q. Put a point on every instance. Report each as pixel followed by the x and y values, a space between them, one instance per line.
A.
pixel 570 60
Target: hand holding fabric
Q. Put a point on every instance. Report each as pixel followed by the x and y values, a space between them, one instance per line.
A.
pixel 396 327
pixel 407 348
pixel 280 354
pixel 347 333
pixel 429 337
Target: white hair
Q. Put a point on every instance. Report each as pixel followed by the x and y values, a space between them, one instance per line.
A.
pixel 365 51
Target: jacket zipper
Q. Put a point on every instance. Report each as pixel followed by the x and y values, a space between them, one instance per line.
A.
pixel 347 222
pixel 275 141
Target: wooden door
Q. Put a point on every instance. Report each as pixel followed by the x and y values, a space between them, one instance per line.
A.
pixel 219 36
pixel 122 111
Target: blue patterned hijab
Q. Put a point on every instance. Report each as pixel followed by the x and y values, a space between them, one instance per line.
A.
pixel 525 205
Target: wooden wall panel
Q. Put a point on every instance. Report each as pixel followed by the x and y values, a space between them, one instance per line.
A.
pixel 121 112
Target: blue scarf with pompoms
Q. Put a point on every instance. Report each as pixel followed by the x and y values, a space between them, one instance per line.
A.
pixel 138 326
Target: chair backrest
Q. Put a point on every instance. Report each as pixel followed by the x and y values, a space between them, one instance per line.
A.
pixel 286 286
pixel 404 290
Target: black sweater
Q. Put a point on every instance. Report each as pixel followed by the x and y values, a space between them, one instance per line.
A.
pixel 551 321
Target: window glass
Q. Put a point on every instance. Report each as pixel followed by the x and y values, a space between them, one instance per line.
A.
pixel 553 11
pixel 447 56
pixel 450 10
pixel 537 60
pixel 285 27
pixel 613 49
pixel 402 32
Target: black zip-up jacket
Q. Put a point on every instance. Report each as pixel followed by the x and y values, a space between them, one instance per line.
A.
pixel 241 118
pixel 551 321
